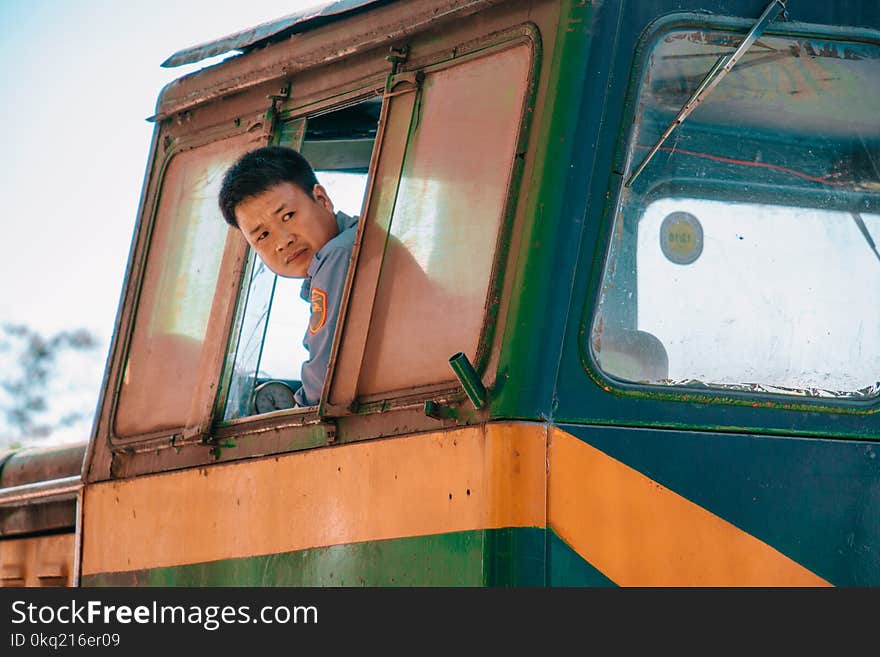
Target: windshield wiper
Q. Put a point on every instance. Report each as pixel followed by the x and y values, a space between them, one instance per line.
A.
pixel 865 232
pixel 713 77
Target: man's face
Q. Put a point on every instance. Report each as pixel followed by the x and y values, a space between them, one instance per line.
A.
pixel 286 227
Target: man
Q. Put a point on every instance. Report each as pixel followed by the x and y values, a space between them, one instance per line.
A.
pixel 273 197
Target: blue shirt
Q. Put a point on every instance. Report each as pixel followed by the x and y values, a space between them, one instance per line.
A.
pixel 323 288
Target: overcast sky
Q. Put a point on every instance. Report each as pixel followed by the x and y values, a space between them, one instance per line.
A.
pixel 79 78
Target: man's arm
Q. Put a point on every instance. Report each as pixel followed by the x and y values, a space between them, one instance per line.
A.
pixel 327 286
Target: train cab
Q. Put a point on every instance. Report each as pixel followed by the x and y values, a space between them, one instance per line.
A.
pixel 608 318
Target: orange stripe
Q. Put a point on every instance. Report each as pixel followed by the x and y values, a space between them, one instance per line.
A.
pixel 466 479
pixel 639 533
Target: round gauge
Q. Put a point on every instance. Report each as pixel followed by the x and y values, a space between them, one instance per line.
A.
pixel 273 396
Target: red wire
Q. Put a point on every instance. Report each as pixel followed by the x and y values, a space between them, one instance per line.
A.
pixel 730 160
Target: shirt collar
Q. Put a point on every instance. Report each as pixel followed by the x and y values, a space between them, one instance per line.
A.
pixel 343 222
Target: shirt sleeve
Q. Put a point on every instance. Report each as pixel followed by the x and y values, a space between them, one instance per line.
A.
pixel 327 286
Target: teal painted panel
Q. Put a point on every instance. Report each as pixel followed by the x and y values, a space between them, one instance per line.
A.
pixel 816 501
pixel 565 567
pixel 516 556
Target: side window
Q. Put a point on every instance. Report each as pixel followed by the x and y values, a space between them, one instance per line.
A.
pixel 170 375
pixel 428 258
pixel 744 257
pixel 267 350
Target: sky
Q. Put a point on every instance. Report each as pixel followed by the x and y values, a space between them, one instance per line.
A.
pixel 78 80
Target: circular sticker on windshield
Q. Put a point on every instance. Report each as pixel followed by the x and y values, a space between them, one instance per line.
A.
pixel 681 238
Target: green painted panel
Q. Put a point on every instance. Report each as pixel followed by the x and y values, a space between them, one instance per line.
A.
pixel 546 260
pixel 439 560
pixel 512 557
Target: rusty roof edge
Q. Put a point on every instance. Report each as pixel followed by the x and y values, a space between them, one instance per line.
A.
pixel 300 21
pixel 279 63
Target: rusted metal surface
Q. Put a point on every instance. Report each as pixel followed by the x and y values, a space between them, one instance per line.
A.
pixel 38 516
pixel 301 21
pixel 37 561
pixel 38 489
pixel 379 28
pixel 31 466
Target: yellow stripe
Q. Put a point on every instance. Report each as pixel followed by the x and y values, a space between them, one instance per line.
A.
pixel 639 533
pixel 467 479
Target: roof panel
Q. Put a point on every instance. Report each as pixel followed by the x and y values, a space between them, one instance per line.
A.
pixel 300 21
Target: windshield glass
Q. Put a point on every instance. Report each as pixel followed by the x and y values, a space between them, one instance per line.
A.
pixel 744 255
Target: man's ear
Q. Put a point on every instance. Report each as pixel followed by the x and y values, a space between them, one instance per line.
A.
pixel 321 197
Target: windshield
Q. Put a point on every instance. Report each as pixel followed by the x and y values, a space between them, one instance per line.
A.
pixel 744 255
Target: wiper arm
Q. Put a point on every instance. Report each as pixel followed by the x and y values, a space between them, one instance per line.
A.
pixel 865 233
pixel 713 77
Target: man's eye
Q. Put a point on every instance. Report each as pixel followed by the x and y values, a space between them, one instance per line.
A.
pixel 287 217
pixel 262 235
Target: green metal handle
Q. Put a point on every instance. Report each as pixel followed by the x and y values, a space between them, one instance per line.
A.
pixel 468 378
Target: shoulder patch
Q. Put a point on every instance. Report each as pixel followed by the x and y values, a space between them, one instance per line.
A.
pixel 319 310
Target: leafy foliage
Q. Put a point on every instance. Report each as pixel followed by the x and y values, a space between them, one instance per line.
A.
pixel 29 364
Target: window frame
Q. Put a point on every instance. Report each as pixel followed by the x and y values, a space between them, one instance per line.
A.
pixel 292 112
pixel 626 158
pixel 351 410
pixel 330 423
pixel 173 146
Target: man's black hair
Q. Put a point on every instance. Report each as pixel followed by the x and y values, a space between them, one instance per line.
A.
pixel 258 170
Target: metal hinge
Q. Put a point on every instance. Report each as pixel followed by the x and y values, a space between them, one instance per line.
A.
pixel 272 113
